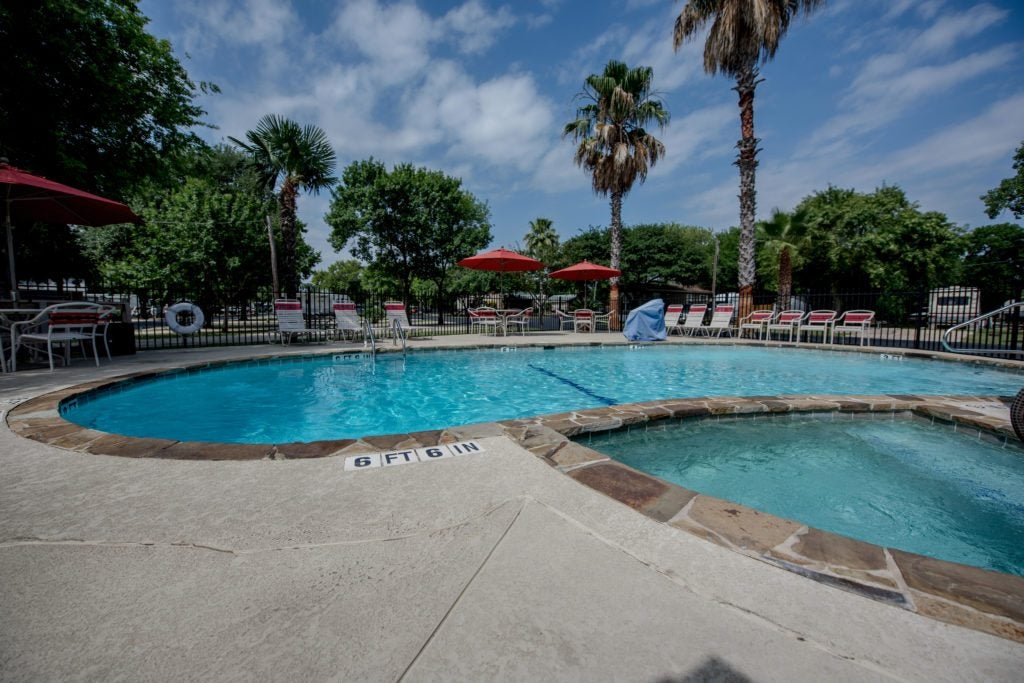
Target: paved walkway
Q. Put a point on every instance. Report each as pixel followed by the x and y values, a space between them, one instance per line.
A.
pixel 490 567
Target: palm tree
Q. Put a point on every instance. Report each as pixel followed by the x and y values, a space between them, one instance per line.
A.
pixel 785 233
pixel 301 158
pixel 542 244
pixel 743 34
pixel 614 148
pixel 542 240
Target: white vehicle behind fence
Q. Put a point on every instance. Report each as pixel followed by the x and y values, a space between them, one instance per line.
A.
pixel 953 305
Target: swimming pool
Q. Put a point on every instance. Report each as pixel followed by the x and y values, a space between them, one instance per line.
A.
pixel 894 483
pixel 349 396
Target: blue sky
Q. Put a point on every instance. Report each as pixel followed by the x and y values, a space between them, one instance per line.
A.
pixel 924 94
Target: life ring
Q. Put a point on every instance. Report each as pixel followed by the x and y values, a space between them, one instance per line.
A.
pixel 184 307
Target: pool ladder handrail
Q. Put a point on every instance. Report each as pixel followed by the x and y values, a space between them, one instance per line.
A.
pixel 399 333
pixel 945 335
pixel 368 337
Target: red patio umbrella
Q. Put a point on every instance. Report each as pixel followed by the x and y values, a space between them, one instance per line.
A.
pixel 33 198
pixel 501 261
pixel 586 271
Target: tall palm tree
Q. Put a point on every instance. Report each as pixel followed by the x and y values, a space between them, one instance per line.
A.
pixel 785 233
pixel 301 158
pixel 614 147
pixel 743 34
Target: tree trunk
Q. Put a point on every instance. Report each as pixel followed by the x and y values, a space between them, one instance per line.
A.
pixel 616 254
pixel 746 83
pixel 273 259
pixel 289 278
pixel 785 279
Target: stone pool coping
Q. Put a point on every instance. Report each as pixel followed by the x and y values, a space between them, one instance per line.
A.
pixel 967 596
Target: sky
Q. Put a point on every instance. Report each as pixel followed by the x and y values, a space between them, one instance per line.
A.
pixel 924 94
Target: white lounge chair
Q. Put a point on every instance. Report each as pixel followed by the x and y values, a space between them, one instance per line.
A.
pixel 60 325
pixel 757 321
pixel 290 321
pixel 817 322
pixel 694 319
pixel 787 321
pixel 395 311
pixel 672 314
pixel 720 322
pixel 346 320
pixel 854 322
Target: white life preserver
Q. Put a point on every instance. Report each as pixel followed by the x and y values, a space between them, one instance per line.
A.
pixel 184 307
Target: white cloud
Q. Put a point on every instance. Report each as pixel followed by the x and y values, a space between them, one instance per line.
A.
pixel 475 27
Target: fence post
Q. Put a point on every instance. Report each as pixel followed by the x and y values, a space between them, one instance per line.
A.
pixel 918 318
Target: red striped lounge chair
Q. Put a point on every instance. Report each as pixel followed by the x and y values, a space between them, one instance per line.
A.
pixel 854 323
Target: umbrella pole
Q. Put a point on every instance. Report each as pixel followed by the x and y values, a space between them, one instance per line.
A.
pixel 10 247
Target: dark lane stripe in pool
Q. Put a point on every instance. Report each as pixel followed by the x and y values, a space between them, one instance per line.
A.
pixel 578 387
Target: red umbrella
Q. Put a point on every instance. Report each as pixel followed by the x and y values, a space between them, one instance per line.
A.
pixel 33 198
pixel 586 271
pixel 501 261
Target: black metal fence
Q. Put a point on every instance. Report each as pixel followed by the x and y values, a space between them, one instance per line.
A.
pixel 907 320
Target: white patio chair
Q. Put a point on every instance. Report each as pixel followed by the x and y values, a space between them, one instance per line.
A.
pixel 817 322
pixel 854 323
pixel 565 321
pixel 60 325
pixel 721 321
pixel 757 321
pixel 346 320
pixel 290 322
pixel 485 319
pixel 694 319
pixel 787 321
pixel 583 319
pixel 395 311
pixel 672 315
pixel 520 320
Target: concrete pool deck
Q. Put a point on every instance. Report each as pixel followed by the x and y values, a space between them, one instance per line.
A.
pixel 495 566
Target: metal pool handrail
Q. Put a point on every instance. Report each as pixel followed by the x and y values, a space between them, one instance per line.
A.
pixel 368 335
pixel 396 327
pixel 987 316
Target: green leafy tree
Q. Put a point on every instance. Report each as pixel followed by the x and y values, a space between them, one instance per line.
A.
pixel 407 223
pixel 1009 196
pixel 299 158
pixel 613 145
pixel 90 98
pixel 994 262
pixel 341 276
pixel 205 240
pixel 742 34
pixel 880 240
pixel 782 236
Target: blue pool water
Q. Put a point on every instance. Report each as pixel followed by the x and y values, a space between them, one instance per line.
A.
pixel 333 398
pixel 895 483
